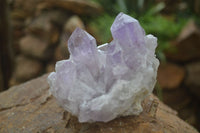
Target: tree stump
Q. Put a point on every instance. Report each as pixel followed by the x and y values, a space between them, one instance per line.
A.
pixel 29 108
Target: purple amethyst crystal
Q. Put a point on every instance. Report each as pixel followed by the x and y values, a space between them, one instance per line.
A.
pixel 105 82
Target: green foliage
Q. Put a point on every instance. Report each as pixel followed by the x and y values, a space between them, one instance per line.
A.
pixel 148 14
pixel 164 29
pixel 101 25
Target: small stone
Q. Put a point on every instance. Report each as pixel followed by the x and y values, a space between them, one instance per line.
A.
pixel 73 23
pixel 46 26
pixel 76 6
pixel 60 52
pixel 177 98
pixel 187 45
pixel 105 82
pixel 193 78
pixel 27 7
pixel 26 69
pixel 193 70
pixel 188 113
pixel 170 76
pixel 50 67
pixel 34 47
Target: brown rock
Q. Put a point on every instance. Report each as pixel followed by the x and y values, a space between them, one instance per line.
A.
pixel 61 51
pixel 46 26
pixel 170 75
pixel 187 44
pixel 50 67
pixel 35 47
pixel 73 23
pixel 76 6
pixel 26 69
pixel 193 71
pixel 193 78
pixel 27 7
pixel 29 108
pixel 188 114
pixel 177 98
pixel 18 14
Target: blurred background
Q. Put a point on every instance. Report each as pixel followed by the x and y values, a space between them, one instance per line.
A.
pixel 34 34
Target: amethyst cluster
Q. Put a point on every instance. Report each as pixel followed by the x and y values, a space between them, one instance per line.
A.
pixel 105 82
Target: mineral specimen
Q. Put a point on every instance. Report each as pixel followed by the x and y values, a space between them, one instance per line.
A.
pixel 105 82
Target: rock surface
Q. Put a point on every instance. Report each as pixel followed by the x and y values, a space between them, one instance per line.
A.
pixel 29 108
pixel 35 47
pixel 47 25
pixel 73 23
pixel 177 98
pixel 25 69
pixel 76 6
pixel 193 70
pixel 187 44
pixel 27 7
pixel 193 78
pixel 170 75
pixel 61 52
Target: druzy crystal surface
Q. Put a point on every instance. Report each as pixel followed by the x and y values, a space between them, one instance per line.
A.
pixel 105 82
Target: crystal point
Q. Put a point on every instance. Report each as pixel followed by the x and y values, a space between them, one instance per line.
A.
pixel 127 30
pixel 81 43
pixel 109 81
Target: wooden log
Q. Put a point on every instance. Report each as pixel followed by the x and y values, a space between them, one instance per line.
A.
pixel 6 55
pixel 29 108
